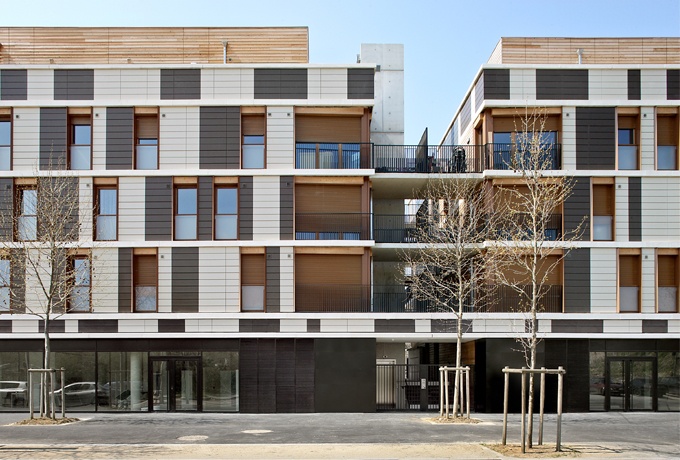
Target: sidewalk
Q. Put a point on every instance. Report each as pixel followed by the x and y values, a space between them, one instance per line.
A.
pixel 329 436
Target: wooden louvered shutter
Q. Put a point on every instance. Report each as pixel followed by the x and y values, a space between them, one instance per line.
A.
pixel 146 127
pixel 325 198
pixel 145 270
pixel 328 269
pixel 667 130
pixel 253 125
pixel 602 200
pixel 327 129
pixel 629 270
pixel 252 270
pixel 667 270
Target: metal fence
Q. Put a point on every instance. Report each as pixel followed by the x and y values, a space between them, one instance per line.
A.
pixel 400 387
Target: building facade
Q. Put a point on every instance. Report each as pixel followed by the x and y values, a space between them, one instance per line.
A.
pixel 243 213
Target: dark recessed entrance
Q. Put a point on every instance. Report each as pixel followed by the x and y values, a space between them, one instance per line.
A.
pixel 176 384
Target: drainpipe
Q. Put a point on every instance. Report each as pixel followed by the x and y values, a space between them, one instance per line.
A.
pixel 224 52
pixel 579 52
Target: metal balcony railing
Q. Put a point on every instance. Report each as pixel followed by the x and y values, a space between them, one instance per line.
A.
pixel 333 226
pixel 329 155
pixel 505 299
pixel 332 298
pixel 552 232
pixel 508 157
pixel 432 159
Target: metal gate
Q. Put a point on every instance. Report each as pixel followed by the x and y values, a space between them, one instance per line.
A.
pixel 408 387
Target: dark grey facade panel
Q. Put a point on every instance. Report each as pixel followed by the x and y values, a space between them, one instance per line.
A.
pixel 304 375
pixel 635 208
pixel 185 265
pixel 479 91
pixel 158 209
pixel 285 376
pixel 360 83
pixel 673 84
pixel 98 326
pixel 286 210
pixel 258 325
pixel 55 326
pixel 245 208
pixel 595 138
pixel 248 364
pixel 6 208
pixel 220 138
pixel 71 228
pixel 577 326
pixel 13 85
pixel 171 326
pixel 654 326
pixel 344 375
pixel 386 326
pixel 180 83
pixel 18 280
pixel 496 84
pixel 571 84
pixel 577 281
pixel 205 208
pixel 124 280
pixel 273 279
pixel 454 129
pixel 577 208
pixel 449 326
pixel 313 325
pixel 280 83
pixel 6 327
pixel 466 113
pixel 233 141
pixel 74 84
pixel 634 88
pixel 53 137
pixel 573 355
pixel 120 122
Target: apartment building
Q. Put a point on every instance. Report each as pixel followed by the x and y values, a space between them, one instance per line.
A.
pixel 244 214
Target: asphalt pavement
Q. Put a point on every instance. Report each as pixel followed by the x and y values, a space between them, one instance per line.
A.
pixel 334 435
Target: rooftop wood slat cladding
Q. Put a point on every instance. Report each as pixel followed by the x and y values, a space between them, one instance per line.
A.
pixel 153 45
pixel 523 50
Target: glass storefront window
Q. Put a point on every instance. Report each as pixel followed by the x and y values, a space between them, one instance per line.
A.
pixel 14 379
pixel 79 392
pixel 123 381
pixel 220 382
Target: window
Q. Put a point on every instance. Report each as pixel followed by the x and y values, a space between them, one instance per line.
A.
pixel 603 212
pixel 80 142
pixel 4 285
pixel 106 213
pixel 629 283
pixel 145 281
pixel 146 142
pixel 226 213
pixel 5 144
pixel 253 129
pixel 668 281
pixel 27 222
pixel 79 300
pixel 186 209
pixel 667 142
pixel 627 142
pixel 252 282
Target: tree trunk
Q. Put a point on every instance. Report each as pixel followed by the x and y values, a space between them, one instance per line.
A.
pixel 45 388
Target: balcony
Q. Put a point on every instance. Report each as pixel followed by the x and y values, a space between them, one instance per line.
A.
pixel 333 226
pixel 444 159
pixel 325 155
pixel 332 298
pixel 552 232
pixel 394 228
pixel 508 157
pixel 505 299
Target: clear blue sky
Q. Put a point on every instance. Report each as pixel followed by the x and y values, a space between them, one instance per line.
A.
pixel 445 41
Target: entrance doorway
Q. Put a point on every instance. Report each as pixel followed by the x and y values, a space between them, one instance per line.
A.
pixel 176 384
pixel 630 384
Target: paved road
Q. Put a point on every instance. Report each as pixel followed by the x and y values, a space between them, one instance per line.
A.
pixel 379 435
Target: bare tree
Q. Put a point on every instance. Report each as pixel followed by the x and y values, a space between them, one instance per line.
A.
pixel 532 244
pixel 47 271
pixel 449 266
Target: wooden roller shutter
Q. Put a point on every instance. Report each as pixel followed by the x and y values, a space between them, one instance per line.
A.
pixel 667 130
pixel 554 276
pixel 629 270
pixel 628 122
pixel 327 269
pixel 327 198
pixel 327 129
pixel 146 127
pixel 667 270
pixel 504 125
pixel 252 270
pixel 145 270
pixel 253 125
pixel 603 195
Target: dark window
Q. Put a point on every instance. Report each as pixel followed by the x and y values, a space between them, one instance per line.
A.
pixel 226 213
pixel 106 211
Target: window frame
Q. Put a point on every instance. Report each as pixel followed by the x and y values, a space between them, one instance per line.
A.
pixel 74 283
pixel 75 121
pixel 216 212
pixel 7 118
pixel 176 213
pixel 98 187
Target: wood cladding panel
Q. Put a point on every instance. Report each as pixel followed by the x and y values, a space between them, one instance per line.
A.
pixel 153 45
pixel 603 200
pixel 667 268
pixel 327 129
pixel 667 130
pixel 327 198
pixel 252 269
pixel 328 269
pixel 629 270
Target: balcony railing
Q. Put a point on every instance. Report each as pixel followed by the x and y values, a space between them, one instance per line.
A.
pixel 328 155
pixel 332 298
pixel 394 228
pixel 428 159
pixel 508 156
pixel 552 232
pixel 505 299
pixel 333 226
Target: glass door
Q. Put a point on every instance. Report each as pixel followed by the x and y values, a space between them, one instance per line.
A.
pixel 176 384
pixel 629 384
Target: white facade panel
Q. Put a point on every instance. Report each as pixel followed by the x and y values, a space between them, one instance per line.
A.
pixel 164 294
pixel 105 280
pixel 107 84
pixel 212 280
pixel 232 258
pixel 247 84
pixel 648 281
pixel 333 84
pixel 603 268
pixel 40 84
pixel 227 84
pixel 266 209
pixel 99 138
pixel 280 137
pixel 622 326
pixel 607 84
pixel 653 84
pixel 568 138
pixel 287 280
pixel 621 212
pixel 26 139
pixel 523 84
pixel 179 137
pixel 293 326
pixel 131 209
pixel 647 138
pixel 85 208
pixel 313 84
pixel 660 209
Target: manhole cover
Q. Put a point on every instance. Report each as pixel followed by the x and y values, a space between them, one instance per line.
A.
pixel 256 431
pixel 192 438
